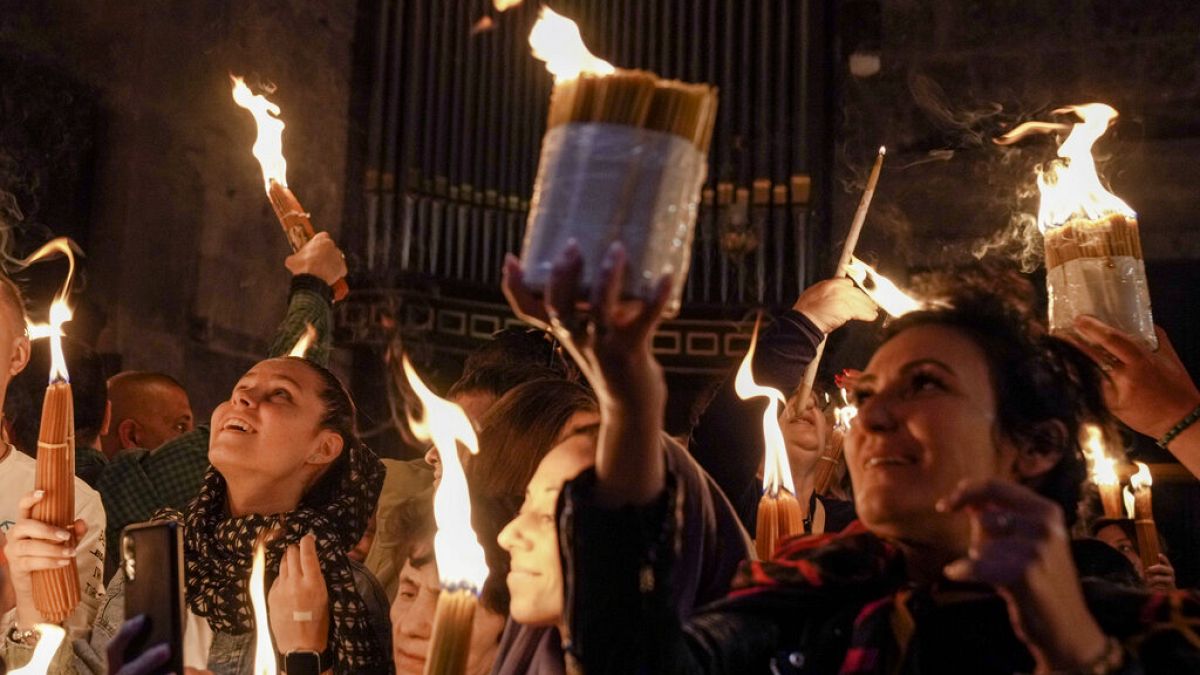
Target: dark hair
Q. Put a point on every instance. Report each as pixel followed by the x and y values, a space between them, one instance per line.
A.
pixel 518 431
pixel 23 405
pixel 521 347
pixel 1094 559
pixel 1036 378
pixel 498 379
pixel 341 417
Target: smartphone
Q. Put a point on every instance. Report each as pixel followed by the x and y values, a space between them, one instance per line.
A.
pixel 152 560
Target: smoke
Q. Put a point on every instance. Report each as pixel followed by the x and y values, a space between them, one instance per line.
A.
pixel 964 127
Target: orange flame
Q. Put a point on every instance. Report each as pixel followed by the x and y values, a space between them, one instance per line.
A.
pixel 1130 503
pixel 776 470
pixel 460 559
pixel 555 39
pixel 43 654
pixel 505 5
pixel 264 649
pixel 268 146
pixel 1103 467
pixel 1070 187
pixel 880 289
pixel 1142 479
pixel 60 312
pixel 306 340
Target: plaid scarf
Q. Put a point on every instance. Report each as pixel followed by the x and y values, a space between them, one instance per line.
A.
pixel 219 551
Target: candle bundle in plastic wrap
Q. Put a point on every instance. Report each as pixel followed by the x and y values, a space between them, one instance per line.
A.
pixel 623 159
pixel 1093 250
pixel 56 591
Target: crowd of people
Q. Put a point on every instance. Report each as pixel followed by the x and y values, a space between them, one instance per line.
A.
pixel 961 535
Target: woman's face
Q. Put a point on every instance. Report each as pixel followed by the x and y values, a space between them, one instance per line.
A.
pixel 535 581
pixel 805 431
pixel 926 421
pixel 270 426
pixel 1115 536
pixel 412 619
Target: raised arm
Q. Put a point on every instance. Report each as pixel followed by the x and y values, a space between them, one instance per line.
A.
pixel 727 440
pixel 315 268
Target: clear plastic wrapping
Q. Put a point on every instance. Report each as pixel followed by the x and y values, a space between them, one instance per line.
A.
pixel 1099 271
pixel 599 183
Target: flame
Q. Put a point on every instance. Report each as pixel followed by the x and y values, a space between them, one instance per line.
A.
pixel 1142 479
pixel 306 340
pixel 1103 467
pixel 776 470
pixel 880 289
pixel 60 311
pixel 1069 186
pixel 268 146
pixel 504 5
pixel 843 415
pixel 51 637
pixel 555 39
pixel 459 556
pixel 264 649
pixel 1130 503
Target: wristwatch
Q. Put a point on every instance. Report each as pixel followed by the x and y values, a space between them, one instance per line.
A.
pixel 308 662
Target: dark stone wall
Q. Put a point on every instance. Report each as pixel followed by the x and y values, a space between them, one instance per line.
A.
pixel 185 256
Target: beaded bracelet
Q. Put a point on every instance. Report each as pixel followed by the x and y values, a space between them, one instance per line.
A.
pixel 1179 428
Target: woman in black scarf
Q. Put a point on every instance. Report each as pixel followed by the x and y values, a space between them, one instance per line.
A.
pixel 288 467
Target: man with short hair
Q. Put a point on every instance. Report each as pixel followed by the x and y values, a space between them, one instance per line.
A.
pixel 17 469
pixel 147 410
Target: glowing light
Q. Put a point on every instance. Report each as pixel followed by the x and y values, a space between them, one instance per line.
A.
pixel 268 145
pixel 1103 467
pixel 880 289
pixel 51 637
pixel 1070 187
pixel 460 558
pixel 264 649
pixel 307 338
pixel 1130 503
pixel 843 415
pixel 776 471
pixel 556 40
pixel 1142 479
pixel 60 311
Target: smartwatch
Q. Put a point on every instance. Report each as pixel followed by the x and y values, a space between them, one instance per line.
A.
pixel 307 662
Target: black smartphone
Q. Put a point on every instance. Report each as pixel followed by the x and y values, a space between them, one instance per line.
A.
pixel 152 560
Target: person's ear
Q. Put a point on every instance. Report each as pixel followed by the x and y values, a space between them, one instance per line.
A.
pixel 127 434
pixel 20 355
pixel 329 446
pixel 1034 460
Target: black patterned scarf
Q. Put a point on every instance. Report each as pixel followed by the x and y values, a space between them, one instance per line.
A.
pixel 219 551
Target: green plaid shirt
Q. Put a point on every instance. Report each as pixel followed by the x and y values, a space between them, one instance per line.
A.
pixel 139 482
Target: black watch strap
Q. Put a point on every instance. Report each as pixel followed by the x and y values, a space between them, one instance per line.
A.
pixel 308 663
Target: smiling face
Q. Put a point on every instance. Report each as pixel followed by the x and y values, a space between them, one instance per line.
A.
pixel 270 428
pixel 535 581
pixel 805 432
pixel 412 618
pixel 926 421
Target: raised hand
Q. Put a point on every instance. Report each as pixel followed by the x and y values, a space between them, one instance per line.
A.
pixel 320 257
pixel 1019 545
pixel 298 602
pixel 1161 577
pixel 831 303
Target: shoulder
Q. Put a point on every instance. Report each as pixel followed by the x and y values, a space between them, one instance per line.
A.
pixel 87 502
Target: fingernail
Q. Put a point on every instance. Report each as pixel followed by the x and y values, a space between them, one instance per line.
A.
pixel 941 505
pixel 38 494
pixel 62 535
pixel 64 563
pixel 68 552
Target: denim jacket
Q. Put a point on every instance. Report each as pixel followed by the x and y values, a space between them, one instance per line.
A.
pixel 229 654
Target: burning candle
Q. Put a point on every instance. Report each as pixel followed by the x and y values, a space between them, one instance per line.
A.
pixel 50 637
pixel 462 568
pixel 304 342
pixel 264 648
pixel 1103 471
pixel 623 159
pixel 779 513
pixel 843 415
pixel 56 591
pixel 1143 515
pixel 268 149
pixel 1093 249
pixel 880 289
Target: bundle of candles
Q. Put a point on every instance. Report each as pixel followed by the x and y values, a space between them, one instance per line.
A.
pixel 268 149
pixel 827 465
pixel 1093 251
pixel 779 512
pixel 56 591
pixel 462 568
pixel 1137 498
pixel 623 159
